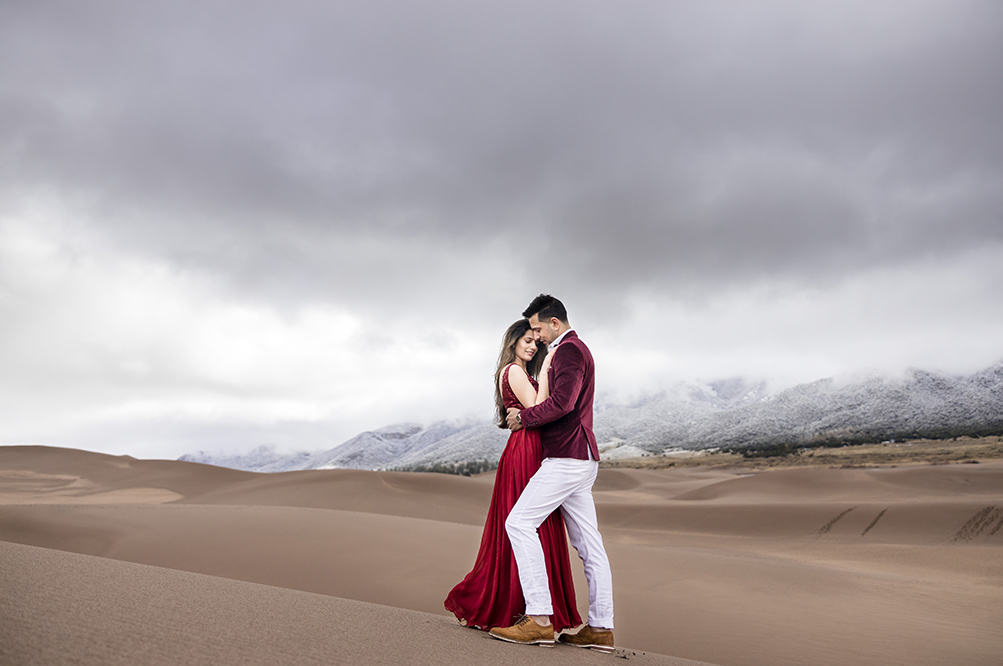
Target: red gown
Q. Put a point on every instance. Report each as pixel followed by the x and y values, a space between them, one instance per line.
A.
pixel 490 595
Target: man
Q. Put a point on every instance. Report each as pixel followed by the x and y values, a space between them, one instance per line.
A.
pixel 565 479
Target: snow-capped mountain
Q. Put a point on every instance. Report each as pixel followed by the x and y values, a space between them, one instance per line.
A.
pixel 474 448
pixel 375 449
pixel 732 414
pixel 259 459
pixel 922 405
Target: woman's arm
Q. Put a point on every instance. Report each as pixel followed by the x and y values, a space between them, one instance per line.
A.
pixel 521 386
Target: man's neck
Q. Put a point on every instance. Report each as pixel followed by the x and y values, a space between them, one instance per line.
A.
pixel 560 337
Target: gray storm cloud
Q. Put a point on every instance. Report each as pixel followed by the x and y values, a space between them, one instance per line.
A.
pixel 661 140
pixel 399 157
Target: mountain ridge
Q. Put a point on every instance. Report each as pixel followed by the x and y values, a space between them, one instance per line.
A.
pixel 730 414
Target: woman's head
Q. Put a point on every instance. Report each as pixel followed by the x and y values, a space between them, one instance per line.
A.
pixel 518 344
pixel 519 339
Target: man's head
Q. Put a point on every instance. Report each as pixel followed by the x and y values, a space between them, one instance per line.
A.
pixel 547 317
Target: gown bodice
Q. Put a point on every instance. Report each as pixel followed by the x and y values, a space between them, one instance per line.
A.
pixel 508 395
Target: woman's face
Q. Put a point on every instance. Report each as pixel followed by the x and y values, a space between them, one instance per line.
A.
pixel 525 347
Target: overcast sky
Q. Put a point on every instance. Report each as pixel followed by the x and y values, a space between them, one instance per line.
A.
pixel 226 224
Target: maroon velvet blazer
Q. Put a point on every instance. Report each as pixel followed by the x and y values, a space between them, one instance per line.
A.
pixel 565 418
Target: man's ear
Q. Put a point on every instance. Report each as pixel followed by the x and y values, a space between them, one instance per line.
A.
pixel 555 323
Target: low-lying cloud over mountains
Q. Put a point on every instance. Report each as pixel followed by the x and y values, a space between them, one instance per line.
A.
pixel 728 414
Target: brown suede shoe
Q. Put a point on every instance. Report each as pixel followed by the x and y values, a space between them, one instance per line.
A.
pixel 527 632
pixel 587 637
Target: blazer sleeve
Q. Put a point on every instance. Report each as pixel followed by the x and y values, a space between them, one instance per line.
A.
pixel 568 374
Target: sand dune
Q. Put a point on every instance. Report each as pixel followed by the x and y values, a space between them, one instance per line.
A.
pixel 64 608
pixel 821 566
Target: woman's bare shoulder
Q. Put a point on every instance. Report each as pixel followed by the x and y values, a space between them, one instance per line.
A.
pixel 515 370
pixel 517 374
pixel 505 374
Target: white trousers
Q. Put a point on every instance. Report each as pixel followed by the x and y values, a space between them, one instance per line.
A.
pixel 565 483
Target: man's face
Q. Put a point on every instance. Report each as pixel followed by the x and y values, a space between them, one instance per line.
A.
pixel 545 331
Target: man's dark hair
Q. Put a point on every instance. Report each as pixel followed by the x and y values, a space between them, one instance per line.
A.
pixel 544 307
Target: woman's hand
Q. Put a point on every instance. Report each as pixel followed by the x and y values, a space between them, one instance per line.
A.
pixel 544 391
pixel 548 359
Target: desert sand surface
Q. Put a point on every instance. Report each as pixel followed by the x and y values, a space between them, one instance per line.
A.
pixel 66 608
pixel 816 565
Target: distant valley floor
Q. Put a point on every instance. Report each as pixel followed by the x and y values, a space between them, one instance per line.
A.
pixel 914 452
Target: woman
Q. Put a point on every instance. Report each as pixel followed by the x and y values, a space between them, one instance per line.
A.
pixel 490 595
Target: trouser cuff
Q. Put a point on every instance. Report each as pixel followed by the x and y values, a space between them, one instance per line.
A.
pixel 598 623
pixel 540 610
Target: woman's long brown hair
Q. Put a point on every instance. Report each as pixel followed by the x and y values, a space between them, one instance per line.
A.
pixel 507 355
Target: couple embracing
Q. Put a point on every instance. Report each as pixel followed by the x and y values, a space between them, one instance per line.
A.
pixel 520 587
